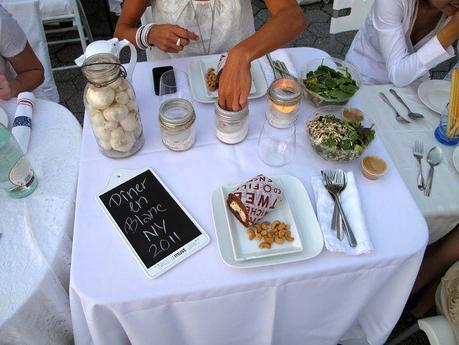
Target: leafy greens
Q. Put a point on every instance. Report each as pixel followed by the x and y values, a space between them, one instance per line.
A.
pixel 331 84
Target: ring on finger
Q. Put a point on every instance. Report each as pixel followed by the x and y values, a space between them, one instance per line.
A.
pixel 178 42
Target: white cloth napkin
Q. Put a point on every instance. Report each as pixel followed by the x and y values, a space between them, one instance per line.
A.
pixel 276 55
pixel 22 124
pixel 350 201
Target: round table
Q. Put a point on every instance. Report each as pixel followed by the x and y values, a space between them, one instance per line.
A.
pixel 37 233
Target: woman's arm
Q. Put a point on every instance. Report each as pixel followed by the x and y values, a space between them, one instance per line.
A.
pixel 163 36
pixel 403 68
pixel 29 72
pixel 286 23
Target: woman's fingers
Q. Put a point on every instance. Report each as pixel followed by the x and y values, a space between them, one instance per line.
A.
pixel 170 38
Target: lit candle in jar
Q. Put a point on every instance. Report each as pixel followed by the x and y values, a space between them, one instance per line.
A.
pixel 284 98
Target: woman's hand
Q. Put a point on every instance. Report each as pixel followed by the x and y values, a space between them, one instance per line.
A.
pixel 5 88
pixel 166 37
pixel 235 81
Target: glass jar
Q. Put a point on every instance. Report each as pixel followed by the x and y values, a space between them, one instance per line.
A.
pixel 284 99
pixel 176 120
pixel 110 102
pixel 231 126
pixel 441 133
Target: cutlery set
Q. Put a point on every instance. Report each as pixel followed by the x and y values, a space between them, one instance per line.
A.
pixel 434 157
pixel 335 182
pixel 412 115
pixel 280 69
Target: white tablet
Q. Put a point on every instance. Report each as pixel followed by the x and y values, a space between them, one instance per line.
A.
pixel 159 232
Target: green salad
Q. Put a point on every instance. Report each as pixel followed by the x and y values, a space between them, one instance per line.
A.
pixel 331 84
pixel 338 139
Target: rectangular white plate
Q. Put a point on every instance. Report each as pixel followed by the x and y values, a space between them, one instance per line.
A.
pixel 211 62
pixel 302 212
pixel 245 249
pixel 199 88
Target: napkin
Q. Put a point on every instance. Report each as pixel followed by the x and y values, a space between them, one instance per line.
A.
pixel 276 55
pixel 22 124
pixel 352 208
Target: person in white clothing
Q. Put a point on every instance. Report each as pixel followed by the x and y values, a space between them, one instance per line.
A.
pixel 401 40
pixel 202 27
pixel 20 69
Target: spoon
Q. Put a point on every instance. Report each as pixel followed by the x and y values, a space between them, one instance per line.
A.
pixel 411 115
pixel 398 117
pixel 433 158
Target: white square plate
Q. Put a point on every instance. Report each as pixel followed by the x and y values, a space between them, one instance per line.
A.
pixel 245 249
pixel 198 84
pixel 205 64
pixel 302 213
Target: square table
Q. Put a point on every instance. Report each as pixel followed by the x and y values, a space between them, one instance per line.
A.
pixel 325 300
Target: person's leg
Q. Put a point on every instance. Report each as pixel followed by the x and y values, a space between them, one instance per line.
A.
pixel 438 258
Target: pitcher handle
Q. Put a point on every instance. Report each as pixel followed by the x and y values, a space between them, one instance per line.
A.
pixel 133 60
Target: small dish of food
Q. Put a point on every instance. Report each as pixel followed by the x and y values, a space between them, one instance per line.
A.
pixel 210 75
pixel 339 135
pixel 330 81
pixel 373 167
pixel 260 219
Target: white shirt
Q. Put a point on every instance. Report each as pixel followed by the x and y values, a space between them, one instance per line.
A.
pixel 232 23
pixel 382 49
pixel 12 42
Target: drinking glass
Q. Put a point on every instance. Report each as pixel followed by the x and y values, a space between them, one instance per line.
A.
pixel 173 84
pixel 276 146
pixel 17 177
pixel 441 132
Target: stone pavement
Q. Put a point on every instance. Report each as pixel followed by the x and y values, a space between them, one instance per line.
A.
pixel 70 83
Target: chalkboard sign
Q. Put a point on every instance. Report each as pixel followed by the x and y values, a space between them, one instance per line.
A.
pixel 151 220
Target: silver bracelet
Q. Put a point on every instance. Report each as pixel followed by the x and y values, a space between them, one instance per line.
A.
pixel 144 35
pixel 138 40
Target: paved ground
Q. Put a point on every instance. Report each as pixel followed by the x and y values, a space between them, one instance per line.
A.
pixel 70 82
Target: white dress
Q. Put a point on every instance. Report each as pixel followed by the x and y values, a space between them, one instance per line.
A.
pixel 382 49
pixel 233 22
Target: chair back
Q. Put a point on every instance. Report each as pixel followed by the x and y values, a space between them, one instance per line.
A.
pixel 353 21
pixel 27 14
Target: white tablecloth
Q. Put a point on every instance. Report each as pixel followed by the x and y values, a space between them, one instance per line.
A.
pixel 37 234
pixel 203 301
pixel 441 209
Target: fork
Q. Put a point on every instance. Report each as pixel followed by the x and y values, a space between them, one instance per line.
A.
pixel 335 218
pixel 418 153
pixel 337 223
pixel 335 189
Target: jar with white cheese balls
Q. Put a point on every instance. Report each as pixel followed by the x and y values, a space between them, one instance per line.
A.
pixel 111 106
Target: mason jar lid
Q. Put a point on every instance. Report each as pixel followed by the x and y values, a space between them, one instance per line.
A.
pixel 101 69
pixel 231 116
pixel 285 91
pixel 176 114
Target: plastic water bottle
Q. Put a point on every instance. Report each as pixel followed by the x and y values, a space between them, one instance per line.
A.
pixel 16 175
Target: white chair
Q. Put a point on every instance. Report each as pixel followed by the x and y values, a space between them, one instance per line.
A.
pixel 358 12
pixel 437 328
pixel 27 14
pixel 58 11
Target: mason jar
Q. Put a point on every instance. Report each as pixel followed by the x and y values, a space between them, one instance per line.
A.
pixel 111 104
pixel 176 120
pixel 231 126
pixel 284 99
